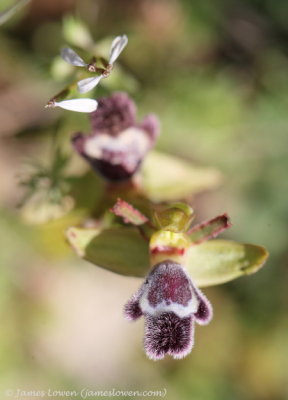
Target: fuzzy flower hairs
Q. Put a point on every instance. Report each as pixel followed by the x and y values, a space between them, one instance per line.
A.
pixel 87 105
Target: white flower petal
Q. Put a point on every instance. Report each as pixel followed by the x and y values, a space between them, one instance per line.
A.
pixel 85 85
pixel 117 47
pixel 80 105
pixel 72 58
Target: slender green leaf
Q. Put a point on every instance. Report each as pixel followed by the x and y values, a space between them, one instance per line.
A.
pixel 9 12
pixel 121 250
pixel 219 261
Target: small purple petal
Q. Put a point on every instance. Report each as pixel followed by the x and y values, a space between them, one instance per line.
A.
pixel 114 114
pixel 132 310
pixel 151 125
pixel 168 334
pixel 204 313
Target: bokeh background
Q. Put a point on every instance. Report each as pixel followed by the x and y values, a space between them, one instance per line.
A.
pixel 216 73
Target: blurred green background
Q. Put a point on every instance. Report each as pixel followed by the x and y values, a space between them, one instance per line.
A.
pixel 216 73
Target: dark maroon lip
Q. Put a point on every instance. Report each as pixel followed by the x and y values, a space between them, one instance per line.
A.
pixel 166 332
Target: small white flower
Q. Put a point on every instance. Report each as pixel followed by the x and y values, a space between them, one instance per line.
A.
pixel 79 105
pixel 71 57
pixel 118 45
pixel 87 84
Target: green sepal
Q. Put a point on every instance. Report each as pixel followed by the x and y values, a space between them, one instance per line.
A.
pixel 219 261
pixel 168 178
pixel 121 250
pixel 125 252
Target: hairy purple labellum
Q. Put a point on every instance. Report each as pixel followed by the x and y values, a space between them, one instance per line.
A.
pixel 170 304
pixel 118 144
pixel 168 334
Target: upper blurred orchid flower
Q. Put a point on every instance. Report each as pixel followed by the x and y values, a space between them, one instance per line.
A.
pixel 117 144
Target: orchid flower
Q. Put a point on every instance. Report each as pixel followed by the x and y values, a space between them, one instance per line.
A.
pixel 117 144
pixel 175 259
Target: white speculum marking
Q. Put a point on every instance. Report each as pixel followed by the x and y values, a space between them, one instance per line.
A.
pixel 129 139
pixel 178 309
